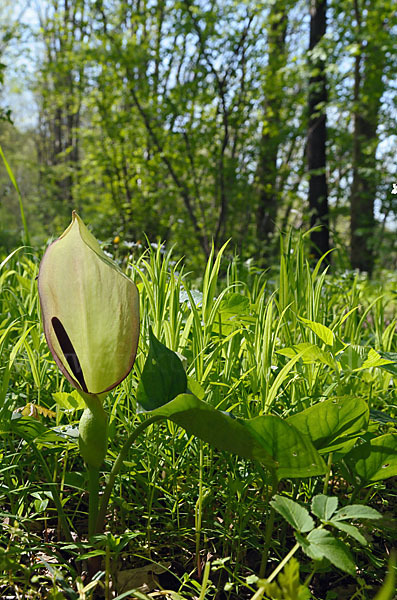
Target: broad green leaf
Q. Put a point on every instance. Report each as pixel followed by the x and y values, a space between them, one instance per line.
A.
pixel 356 511
pixel 294 350
pixel 324 506
pixel 233 310
pixel 163 376
pixel 352 357
pixel 340 454
pixel 297 516
pixel 234 304
pixel 322 331
pixel 217 428
pixel 312 354
pixel 332 423
pixel 268 439
pixel 40 504
pixel 67 432
pixel 196 296
pixel 310 549
pixel 391 367
pixel 375 460
pixel 29 428
pixel 322 542
pixel 293 452
pixel 69 401
pixel 374 360
pixel 350 530
pixel 195 388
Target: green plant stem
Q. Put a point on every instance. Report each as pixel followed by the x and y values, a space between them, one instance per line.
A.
pixel 107 573
pixel 207 570
pixel 199 511
pixel 328 473
pixel 116 469
pixel 269 527
pixel 261 590
pixel 282 564
pixel 93 500
pixel 355 493
pixel 310 576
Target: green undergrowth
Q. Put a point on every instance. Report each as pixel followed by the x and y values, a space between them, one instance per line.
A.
pixel 185 519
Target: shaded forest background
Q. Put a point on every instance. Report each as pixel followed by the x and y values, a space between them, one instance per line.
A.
pixel 192 121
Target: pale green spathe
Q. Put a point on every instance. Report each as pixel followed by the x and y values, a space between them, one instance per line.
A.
pixel 90 311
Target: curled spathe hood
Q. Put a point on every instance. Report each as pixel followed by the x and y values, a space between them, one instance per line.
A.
pixel 90 311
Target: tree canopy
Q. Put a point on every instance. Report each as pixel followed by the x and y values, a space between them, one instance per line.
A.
pixel 195 122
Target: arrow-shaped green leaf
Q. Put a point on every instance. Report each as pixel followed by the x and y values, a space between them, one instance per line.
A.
pixel 268 439
pixel 218 428
pixel 293 452
pixel 163 376
pixel 375 460
pixel 332 423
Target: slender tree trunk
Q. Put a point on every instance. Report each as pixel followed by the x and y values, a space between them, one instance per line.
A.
pixel 268 194
pixel 368 90
pixel 317 131
pixel 61 97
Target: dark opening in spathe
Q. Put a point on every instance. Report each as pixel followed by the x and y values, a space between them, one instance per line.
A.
pixel 69 352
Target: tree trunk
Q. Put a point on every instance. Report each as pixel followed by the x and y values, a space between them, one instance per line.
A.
pixel 368 90
pixel 60 92
pixel 317 132
pixel 268 194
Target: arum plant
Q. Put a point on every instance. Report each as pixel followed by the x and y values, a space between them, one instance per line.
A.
pixel 90 312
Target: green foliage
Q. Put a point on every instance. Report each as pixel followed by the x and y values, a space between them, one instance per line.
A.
pixel 187 122
pixel 217 495
pixel 387 591
pixel 263 438
pixel 293 453
pixel 320 543
pixel 16 187
pixel 163 376
pixel 323 332
pixel 69 401
pixel 288 586
pixel 334 423
pixel 324 506
pixel 215 427
pixel 375 459
pixel 297 516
